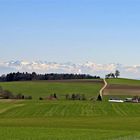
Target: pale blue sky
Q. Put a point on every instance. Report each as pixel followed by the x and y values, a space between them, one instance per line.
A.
pixel 104 31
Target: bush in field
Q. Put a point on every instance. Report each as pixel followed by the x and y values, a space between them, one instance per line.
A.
pixel 99 98
pixel 28 97
pixel 1 89
pixel 83 97
pixel 6 94
pixel 73 96
pixel 19 96
pixel 51 97
pixel 67 97
pixel 40 98
pixel 55 96
pixel 77 97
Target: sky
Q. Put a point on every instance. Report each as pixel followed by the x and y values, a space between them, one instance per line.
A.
pixel 77 31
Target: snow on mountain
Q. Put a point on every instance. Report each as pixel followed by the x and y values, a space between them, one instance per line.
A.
pixel 53 67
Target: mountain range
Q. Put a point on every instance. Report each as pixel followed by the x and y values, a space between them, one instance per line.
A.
pixel 53 67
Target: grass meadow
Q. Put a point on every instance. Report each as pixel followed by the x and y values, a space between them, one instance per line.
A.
pixel 66 120
pixel 61 88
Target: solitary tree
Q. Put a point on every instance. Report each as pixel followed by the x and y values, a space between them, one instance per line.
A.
pixel 99 98
pixel 117 73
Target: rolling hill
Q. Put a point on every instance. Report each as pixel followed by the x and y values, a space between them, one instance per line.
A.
pixel 38 89
pixel 127 87
pixel 67 120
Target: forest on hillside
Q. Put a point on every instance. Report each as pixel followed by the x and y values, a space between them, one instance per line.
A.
pixel 52 76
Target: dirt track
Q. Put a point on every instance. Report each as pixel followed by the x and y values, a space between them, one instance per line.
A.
pixel 103 88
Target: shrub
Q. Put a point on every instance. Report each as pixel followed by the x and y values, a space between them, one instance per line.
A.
pixel 40 98
pixel 83 97
pixel 19 96
pixel 67 97
pixel 54 96
pixel 6 94
pixel 28 97
pixel 73 96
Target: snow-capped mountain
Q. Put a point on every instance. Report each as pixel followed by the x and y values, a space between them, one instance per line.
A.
pixel 53 67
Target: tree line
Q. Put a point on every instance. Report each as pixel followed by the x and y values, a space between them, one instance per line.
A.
pixel 18 76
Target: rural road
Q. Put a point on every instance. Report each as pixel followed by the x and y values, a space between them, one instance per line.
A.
pixel 105 85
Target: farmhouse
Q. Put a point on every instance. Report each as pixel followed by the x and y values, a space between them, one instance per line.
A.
pixel 128 100
pixel 116 100
pixel 135 99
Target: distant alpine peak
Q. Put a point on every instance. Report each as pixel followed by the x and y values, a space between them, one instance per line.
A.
pixel 88 67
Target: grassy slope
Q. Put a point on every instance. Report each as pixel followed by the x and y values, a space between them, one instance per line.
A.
pixel 122 81
pixel 44 88
pixel 66 120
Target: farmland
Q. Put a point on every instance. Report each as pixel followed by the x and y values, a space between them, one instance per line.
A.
pixel 61 88
pixel 66 120
pixel 123 87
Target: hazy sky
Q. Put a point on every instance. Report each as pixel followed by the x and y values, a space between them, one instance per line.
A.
pixel 104 31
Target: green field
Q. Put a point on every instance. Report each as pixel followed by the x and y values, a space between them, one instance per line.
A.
pixel 122 81
pixel 66 120
pixel 43 89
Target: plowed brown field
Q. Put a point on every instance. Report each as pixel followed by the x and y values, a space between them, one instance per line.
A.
pixel 117 89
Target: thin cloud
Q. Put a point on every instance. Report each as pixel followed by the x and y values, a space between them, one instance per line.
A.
pixel 53 67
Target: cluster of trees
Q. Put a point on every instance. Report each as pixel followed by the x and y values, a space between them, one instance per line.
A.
pixel 75 97
pixel 67 96
pixel 113 75
pixel 6 94
pixel 52 76
pixel 51 97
